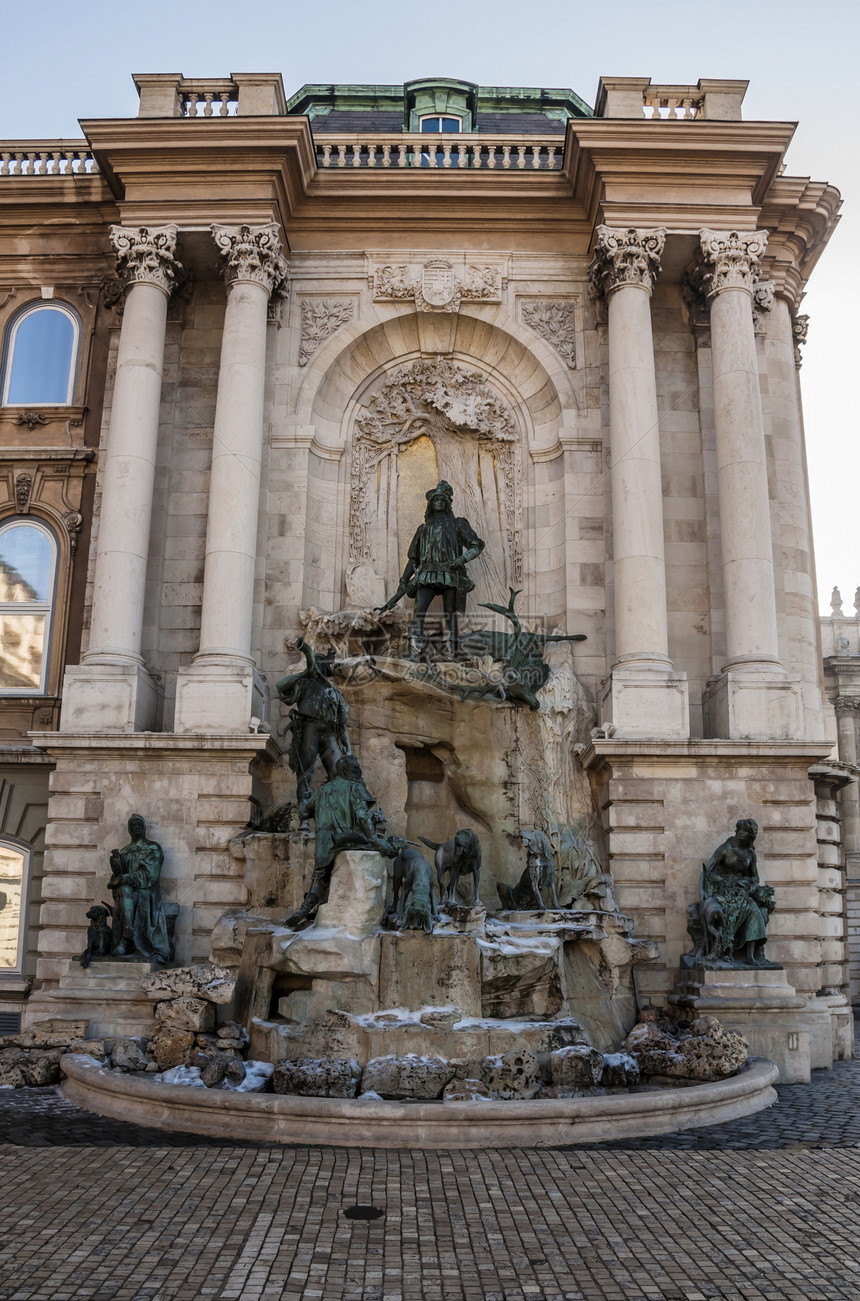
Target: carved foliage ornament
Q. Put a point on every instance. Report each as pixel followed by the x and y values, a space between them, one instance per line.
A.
pixel 762 302
pixel 321 317
pixel 23 488
pixel 732 259
pixel 799 329
pixel 436 288
pixel 626 257
pixel 145 255
pixel 555 322
pixel 419 399
pixel 252 253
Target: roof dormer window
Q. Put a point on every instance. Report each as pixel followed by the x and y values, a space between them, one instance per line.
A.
pixel 437 125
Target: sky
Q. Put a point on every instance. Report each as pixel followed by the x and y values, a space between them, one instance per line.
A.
pixel 800 60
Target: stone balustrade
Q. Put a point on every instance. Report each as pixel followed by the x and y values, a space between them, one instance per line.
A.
pixel 208 98
pixel 683 102
pixel 634 97
pixel 488 153
pixel 46 158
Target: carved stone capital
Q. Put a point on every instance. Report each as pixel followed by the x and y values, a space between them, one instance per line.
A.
pixel 146 255
pixel 252 253
pixel 626 257
pixel 732 259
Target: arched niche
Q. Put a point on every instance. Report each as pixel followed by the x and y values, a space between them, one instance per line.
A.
pixel 493 423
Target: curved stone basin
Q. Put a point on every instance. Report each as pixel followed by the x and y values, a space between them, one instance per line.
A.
pixel 352 1122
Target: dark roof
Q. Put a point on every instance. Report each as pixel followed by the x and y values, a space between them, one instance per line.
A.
pixel 358 121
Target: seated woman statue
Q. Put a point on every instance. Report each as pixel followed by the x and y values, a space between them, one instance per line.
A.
pixel 735 906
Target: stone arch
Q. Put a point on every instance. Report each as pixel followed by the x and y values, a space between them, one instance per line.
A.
pixel 534 385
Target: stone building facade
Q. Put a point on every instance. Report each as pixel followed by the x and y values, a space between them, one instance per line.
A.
pixel 288 318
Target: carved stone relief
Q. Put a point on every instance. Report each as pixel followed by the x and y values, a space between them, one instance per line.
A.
pixel 435 287
pixel 476 443
pixel 146 254
pixel 554 321
pixel 762 299
pixel 800 330
pixel 321 317
pixel 23 488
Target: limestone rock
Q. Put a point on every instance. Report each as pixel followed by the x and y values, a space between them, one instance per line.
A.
pixel 231 1045
pixel 48 1034
pixel 410 1076
pixel 356 898
pixel 467 1090
pixel 172 1048
pixel 579 1067
pixel 11 1073
pixel 128 1055
pixel 205 980
pixel 257 1078
pixel 706 1052
pixel 512 1075
pixel 312 1077
pixel 213 1072
pixel 92 1047
pixel 522 984
pixel 186 1014
pixel 232 1030
pixel 620 1070
pixel 33 1068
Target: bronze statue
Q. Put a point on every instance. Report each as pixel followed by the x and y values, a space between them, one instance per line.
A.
pixel 341 810
pixel 525 670
pixel 139 921
pixel 318 721
pixel 538 877
pixel 414 905
pixel 438 555
pixel 460 856
pixel 729 923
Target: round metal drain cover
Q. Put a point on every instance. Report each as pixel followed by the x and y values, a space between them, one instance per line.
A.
pixel 363 1212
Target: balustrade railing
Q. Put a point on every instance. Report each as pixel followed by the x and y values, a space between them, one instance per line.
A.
pixel 46 158
pixel 207 98
pixel 445 152
pixel 672 102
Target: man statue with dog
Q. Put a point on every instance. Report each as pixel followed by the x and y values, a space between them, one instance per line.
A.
pixel 139 921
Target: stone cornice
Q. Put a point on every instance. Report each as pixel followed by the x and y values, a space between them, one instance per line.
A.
pixel 146 255
pixel 626 257
pixel 252 254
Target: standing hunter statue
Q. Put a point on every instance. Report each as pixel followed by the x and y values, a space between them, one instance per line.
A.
pixel 318 722
pixel 438 555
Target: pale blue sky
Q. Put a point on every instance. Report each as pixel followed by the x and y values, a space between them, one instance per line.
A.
pixel 75 61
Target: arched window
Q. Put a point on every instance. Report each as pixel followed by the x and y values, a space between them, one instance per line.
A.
pixel 41 356
pixel 14 861
pixel 28 571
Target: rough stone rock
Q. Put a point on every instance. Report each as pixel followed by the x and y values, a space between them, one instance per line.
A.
pixel 576 1068
pixel 11 1073
pixel 707 1052
pixel 186 1014
pixel 231 1045
pixel 312 1077
pixel 467 1090
pixel 128 1055
pixel 522 984
pixel 232 1030
pixel 205 980
pixel 409 1076
pixel 620 1070
pixel 511 1075
pixel 172 1048
pixel 257 1078
pixel 48 1034
pixel 93 1047
pixel 214 1070
pixel 441 1018
pixel 41 1066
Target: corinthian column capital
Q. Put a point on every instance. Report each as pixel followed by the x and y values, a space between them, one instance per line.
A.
pixel 145 255
pixel 626 257
pixel 252 253
pixel 732 259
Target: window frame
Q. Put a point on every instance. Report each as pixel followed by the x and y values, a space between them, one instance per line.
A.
pixel 47 607
pixel 26 850
pixel 11 333
pixel 440 117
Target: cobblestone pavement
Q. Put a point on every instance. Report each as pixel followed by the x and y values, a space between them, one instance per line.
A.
pixel 763 1209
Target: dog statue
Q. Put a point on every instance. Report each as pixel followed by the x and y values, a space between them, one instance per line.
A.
pixel 458 857
pixel 99 934
pixel 537 880
pixel 414 906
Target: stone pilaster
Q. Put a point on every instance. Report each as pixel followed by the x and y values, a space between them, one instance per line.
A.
pixel 221 691
pixel 644 696
pixel 751 699
pixel 111 690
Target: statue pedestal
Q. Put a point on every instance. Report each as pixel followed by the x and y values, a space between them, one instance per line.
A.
pixel 107 994
pixel 356 897
pixel 759 1003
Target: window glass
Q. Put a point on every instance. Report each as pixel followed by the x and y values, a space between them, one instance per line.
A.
pixel 40 358
pixel 433 125
pixel 12 866
pixel 27 568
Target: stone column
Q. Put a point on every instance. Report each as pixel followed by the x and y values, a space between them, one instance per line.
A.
pixel 847 712
pixel 111 690
pixel 221 692
pixel 645 697
pixel 751 699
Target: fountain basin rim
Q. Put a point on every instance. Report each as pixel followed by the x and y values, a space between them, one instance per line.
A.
pixel 351 1122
